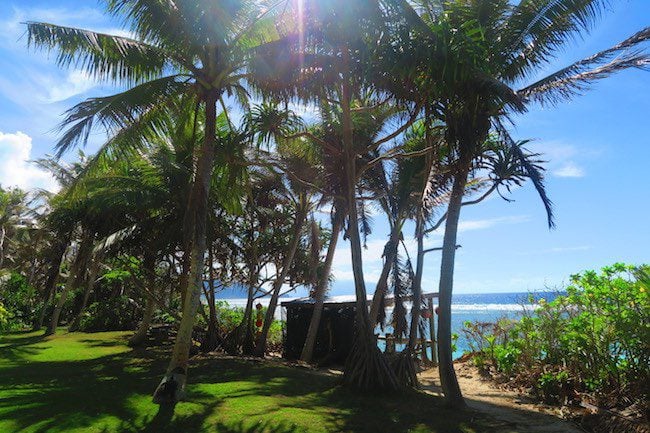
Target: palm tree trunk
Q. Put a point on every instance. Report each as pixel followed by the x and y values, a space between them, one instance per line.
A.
pixel 366 368
pixel 90 283
pixel 85 248
pixel 183 281
pixel 301 214
pixel 448 377
pixel 382 283
pixel 3 233
pixel 141 333
pixel 321 289
pixel 51 278
pixel 172 386
pixel 245 336
pixel 150 304
pixel 211 338
pixel 417 284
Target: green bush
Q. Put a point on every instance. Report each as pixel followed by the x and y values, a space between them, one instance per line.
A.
pixel 229 317
pixel 4 318
pixel 18 299
pixel 117 314
pixel 552 386
pixel 593 340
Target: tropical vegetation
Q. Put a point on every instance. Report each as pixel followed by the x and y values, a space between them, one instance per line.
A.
pixel 208 179
pixel 586 346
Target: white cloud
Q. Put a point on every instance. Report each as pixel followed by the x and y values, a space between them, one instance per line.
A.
pixel 561 157
pixel 15 168
pixel 76 83
pixel 569 169
pixel 481 224
pixel 372 261
pixel 556 250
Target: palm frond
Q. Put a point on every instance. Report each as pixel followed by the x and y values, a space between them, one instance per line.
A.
pixel 116 111
pixel 533 171
pixel 536 29
pixel 103 57
pixel 577 77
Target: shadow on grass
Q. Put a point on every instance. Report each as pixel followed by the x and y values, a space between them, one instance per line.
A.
pixel 16 350
pixel 113 394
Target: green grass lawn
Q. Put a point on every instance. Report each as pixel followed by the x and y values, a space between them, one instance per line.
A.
pixel 77 382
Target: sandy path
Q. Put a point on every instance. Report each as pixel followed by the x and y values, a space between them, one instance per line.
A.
pixel 514 413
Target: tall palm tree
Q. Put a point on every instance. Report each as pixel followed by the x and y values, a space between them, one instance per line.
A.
pixel 196 48
pixel 477 54
pixel 13 208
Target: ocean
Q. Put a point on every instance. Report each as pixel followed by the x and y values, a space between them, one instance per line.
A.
pixel 484 307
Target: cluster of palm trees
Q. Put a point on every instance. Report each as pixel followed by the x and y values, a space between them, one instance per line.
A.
pixel 408 103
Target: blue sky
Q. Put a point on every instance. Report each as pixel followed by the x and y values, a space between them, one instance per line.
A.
pixel 598 147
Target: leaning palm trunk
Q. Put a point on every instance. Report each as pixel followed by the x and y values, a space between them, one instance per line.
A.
pixel 244 335
pixel 366 368
pixel 301 214
pixel 90 284
pixel 141 333
pixel 417 284
pixel 3 233
pixel 172 386
pixel 150 304
pixel 51 278
pixel 382 283
pixel 85 248
pixel 448 377
pixel 321 289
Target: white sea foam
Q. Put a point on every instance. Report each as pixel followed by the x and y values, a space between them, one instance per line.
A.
pixel 493 307
pixel 455 308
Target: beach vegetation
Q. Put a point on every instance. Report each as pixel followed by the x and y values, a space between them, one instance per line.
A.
pixel 209 180
pixel 589 345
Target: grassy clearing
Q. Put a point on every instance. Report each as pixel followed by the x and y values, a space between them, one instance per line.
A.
pixel 76 382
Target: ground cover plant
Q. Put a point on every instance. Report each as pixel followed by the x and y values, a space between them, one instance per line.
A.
pixel 73 382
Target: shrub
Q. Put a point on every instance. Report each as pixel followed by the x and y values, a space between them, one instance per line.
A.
pixel 18 299
pixel 552 386
pixel 118 314
pixel 593 340
pixel 229 317
pixel 4 318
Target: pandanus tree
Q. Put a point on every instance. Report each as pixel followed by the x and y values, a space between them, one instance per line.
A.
pixel 197 48
pixel 270 126
pixel 300 194
pixel 474 57
pixel 257 234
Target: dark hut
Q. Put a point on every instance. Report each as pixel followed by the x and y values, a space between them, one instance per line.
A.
pixel 336 330
pixel 334 338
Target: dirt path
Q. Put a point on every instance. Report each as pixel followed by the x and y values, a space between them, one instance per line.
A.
pixel 514 413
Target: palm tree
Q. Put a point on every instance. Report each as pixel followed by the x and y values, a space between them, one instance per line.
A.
pixel 57 220
pixel 479 52
pixel 13 209
pixel 195 48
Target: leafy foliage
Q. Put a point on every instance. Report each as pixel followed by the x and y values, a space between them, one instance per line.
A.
pixel 18 301
pixel 118 314
pixel 593 341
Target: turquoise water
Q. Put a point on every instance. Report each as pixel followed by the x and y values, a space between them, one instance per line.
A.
pixel 486 307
